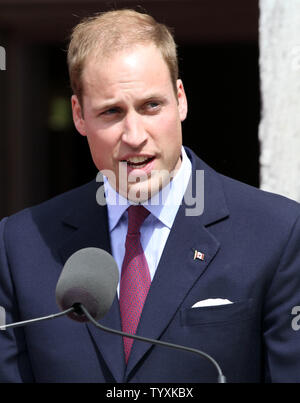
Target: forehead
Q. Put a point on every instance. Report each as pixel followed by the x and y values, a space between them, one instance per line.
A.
pixel 138 67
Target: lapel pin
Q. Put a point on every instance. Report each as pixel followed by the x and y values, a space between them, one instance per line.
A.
pixel 198 255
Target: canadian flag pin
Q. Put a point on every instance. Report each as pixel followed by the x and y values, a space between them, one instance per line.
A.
pixel 198 255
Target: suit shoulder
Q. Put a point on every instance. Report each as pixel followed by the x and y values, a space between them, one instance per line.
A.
pixel 251 200
pixel 55 208
pixel 242 199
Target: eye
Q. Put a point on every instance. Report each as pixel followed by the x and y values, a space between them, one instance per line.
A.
pixel 110 111
pixel 152 106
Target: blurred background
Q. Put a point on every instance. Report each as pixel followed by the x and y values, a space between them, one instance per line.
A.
pixel 42 155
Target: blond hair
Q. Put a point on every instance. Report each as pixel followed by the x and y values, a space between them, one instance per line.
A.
pixel 112 31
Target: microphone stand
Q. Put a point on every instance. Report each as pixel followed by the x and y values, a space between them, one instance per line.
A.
pixel 28 322
pixel 80 309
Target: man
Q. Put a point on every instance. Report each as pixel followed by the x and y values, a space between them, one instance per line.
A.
pixel 223 278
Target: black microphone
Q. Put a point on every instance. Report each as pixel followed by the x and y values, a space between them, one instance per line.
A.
pixel 90 277
pixel 88 283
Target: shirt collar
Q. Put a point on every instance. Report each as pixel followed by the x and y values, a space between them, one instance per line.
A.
pixel 164 205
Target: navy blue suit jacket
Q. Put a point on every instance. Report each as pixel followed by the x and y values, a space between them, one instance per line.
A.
pixel 251 243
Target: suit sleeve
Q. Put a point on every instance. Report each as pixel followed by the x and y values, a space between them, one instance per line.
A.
pixel 282 341
pixel 14 361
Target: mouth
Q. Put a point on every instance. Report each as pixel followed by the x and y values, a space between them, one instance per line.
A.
pixel 139 165
pixel 138 162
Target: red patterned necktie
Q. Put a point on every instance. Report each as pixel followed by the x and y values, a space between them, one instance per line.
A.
pixel 135 277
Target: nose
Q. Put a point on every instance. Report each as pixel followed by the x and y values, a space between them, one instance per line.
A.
pixel 134 133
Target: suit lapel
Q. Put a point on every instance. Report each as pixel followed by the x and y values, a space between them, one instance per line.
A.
pixel 178 271
pixel 88 227
pixel 110 345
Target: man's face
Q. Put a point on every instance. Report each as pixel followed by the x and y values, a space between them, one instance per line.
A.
pixel 132 119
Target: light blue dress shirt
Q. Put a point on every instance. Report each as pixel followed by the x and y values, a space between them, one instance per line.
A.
pixel 156 227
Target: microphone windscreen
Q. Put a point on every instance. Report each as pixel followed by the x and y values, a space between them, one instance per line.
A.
pixel 90 277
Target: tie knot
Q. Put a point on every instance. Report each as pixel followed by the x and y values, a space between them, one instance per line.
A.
pixel 136 217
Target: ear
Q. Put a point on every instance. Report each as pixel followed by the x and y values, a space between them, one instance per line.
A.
pixel 182 100
pixel 78 115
